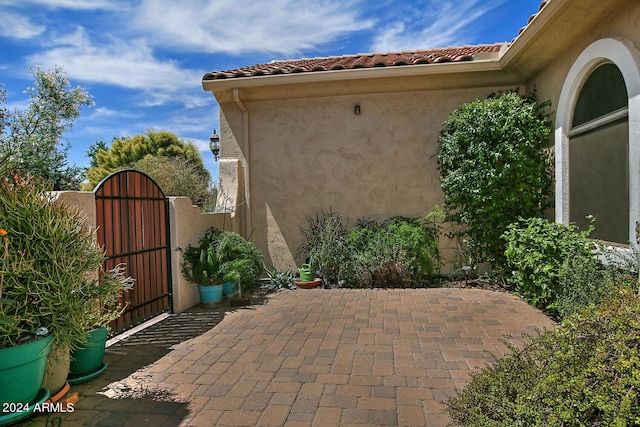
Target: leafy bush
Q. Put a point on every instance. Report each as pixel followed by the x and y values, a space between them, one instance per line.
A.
pixel 537 249
pixel 240 259
pixel 48 265
pixel 583 283
pixel 396 253
pixel 494 169
pixel 222 256
pixel 325 245
pixel 584 373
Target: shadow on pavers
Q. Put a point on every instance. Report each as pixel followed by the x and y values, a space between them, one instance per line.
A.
pixel 119 397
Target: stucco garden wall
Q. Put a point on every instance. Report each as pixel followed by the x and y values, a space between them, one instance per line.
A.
pixel 313 154
pixel 187 225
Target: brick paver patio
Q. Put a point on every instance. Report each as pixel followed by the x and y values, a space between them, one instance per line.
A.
pixel 312 358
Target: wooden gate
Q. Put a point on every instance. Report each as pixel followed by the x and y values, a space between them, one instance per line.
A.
pixel 132 216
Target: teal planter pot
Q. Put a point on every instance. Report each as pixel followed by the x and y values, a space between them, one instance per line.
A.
pixel 210 296
pixel 87 361
pixel 22 370
pixel 229 288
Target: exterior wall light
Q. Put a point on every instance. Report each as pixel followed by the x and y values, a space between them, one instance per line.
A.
pixel 214 145
pixel 356 109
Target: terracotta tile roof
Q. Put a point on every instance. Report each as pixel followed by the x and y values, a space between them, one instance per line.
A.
pixel 351 62
pixel 543 4
pixel 368 60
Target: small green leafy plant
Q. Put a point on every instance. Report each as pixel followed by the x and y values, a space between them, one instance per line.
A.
pixel 399 252
pixel 537 249
pixel 278 280
pixel 222 257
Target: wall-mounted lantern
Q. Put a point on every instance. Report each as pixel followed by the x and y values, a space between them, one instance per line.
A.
pixel 214 145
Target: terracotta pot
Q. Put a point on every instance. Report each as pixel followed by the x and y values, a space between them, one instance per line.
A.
pixel 308 285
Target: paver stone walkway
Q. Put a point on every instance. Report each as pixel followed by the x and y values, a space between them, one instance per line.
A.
pixel 321 358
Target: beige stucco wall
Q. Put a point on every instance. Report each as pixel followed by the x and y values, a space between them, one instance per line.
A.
pixel 307 151
pixel 187 226
pixel 618 27
pixel 83 201
pixel 312 154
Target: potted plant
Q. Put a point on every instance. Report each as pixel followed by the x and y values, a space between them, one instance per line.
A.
pixel 47 257
pixel 219 258
pixel 103 295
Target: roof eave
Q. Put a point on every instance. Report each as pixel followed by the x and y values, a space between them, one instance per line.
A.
pixel 352 74
pixel 535 27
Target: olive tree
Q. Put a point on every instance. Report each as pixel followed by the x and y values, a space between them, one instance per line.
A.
pixel 32 140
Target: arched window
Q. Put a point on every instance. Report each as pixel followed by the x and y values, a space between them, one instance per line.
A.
pixel 599 155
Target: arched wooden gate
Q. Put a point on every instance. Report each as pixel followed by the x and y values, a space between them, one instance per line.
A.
pixel 132 216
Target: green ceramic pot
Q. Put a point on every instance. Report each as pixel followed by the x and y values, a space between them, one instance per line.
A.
pixel 22 370
pixel 89 358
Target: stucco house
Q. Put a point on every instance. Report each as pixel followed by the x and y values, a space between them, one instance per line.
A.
pixel 358 133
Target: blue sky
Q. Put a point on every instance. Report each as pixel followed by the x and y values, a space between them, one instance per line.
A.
pixel 143 60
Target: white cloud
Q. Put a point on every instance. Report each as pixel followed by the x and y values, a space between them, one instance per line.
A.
pixel 76 4
pixel 235 27
pixel 128 64
pixel 441 23
pixel 19 26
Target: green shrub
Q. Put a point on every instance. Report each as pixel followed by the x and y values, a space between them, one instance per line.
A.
pixel 399 252
pixel 325 246
pixel 180 176
pixel 583 283
pixel 48 261
pixel 536 250
pixel 586 372
pixel 494 169
pixel 240 259
pixel 222 256
pixel 278 280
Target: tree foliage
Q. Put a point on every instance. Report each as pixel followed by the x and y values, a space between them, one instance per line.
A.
pixel 494 169
pixel 179 176
pixel 31 140
pixel 124 152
